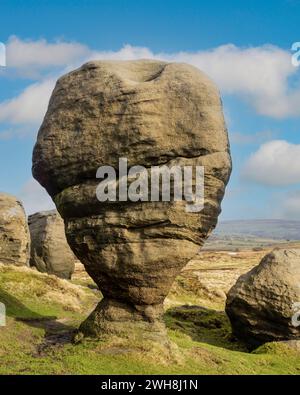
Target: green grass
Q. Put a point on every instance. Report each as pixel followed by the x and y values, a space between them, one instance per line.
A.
pixel 201 337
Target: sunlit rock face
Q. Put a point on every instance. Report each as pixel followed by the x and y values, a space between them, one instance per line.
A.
pixel 263 305
pixel 14 233
pixel 152 113
pixel 50 252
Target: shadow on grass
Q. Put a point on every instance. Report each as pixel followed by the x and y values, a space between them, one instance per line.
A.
pixel 199 323
pixel 203 325
pixel 17 310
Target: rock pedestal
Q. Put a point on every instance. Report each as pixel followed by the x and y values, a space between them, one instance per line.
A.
pixel 14 233
pixel 50 251
pixel 264 304
pixel 151 113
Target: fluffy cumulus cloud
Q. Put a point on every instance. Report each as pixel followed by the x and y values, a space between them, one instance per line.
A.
pixel 276 163
pixel 35 198
pixel 30 106
pixel 29 56
pixel 258 75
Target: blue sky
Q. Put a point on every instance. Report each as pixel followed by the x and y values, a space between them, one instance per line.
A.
pixel 245 47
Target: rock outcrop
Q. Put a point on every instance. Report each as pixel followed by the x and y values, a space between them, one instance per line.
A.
pixel 14 233
pixel 264 305
pixel 152 113
pixel 50 251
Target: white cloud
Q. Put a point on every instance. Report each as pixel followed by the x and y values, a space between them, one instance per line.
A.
pixel 128 52
pixel 35 198
pixel 29 56
pixel 274 163
pixel 258 75
pixel 30 106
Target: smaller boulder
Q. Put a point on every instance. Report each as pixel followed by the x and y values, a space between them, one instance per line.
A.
pixel 50 251
pixel 264 304
pixel 14 233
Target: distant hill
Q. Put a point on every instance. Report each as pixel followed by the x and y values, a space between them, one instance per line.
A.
pixel 253 233
pixel 264 228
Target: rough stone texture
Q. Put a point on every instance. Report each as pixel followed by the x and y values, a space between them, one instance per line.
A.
pixel 260 305
pixel 151 113
pixel 50 251
pixel 14 233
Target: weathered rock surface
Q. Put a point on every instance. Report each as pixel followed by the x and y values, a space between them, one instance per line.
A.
pixel 50 251
pixel 14 233
pixel 151 113
pixel 262 305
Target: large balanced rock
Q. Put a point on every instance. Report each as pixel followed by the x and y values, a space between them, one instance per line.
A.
pixel 151 113
pixel 50 251
pixel 262 305
pixel 14 234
